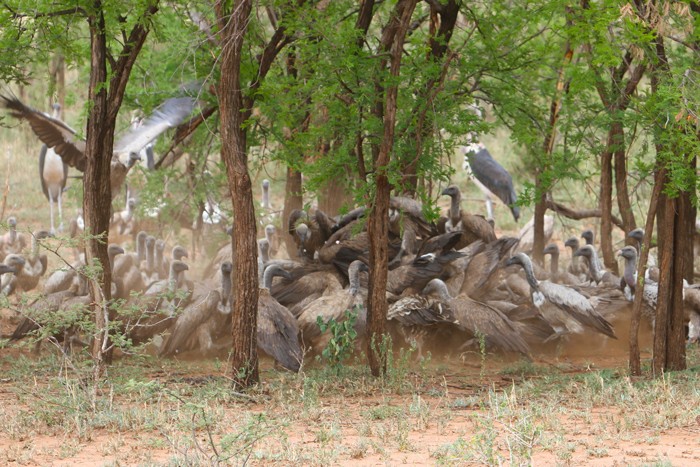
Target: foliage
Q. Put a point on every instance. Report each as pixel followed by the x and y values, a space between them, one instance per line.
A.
pixel 342 337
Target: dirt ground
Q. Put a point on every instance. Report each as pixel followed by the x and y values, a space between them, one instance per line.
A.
pixel 447 421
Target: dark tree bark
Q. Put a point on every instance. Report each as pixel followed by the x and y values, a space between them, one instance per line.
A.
pixel 292 200
pixel 105 104
pixel 548 147
pixel 97 193
pixel 392 41
pixel 606 184
pixel 634 358
pixel 675 220
pixel 233 111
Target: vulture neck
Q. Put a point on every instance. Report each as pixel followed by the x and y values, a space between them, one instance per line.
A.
pixel 265 197
pixel 594 266
pixel 150 258
pixel 140 248
pixel 530 275
pixel 268 275
pixel 554 264
pixel 35 248
pixel 354 278
pixel 173 279
pixel 225 287
pixel 159 259
pixel 440 288
pixel 13 234
pixel 630 272
pixel 455 208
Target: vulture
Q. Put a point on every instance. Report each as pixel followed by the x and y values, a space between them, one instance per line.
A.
pixel 306 283
pixel 480 319
pixel 596 273
pixel 154 311
pixel 491 178
pixel 9 282
pixel 629 279
pixel 560 277
pixel 565 309
pixel 310 232
pixel 203 320
pixel 35 265
pixel 638 236
pixel 58 136
pixel 589 236
pixel 413 277
pixel 61 311
pixel 53 173
pixel 473 227
pixel 577 267
pixel 12 242
pixel 333 306
pixel 278 332
pixel 415 313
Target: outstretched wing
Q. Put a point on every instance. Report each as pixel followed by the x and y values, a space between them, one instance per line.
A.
pixel 170 114
pixel 51 131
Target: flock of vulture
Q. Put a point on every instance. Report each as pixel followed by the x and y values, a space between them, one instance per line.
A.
pixel 452 281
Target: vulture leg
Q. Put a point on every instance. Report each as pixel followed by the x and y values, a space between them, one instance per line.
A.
pixel 51 200
pixel 60 211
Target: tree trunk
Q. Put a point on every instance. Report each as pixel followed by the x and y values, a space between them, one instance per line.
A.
pixel 623 197
pixel 97 195
pixel 292 200
pixel 392 40
pixel 540 189
pixel 675 229
pixel 244 355
pixel 635 363
pixel 675 249
pixel 606 183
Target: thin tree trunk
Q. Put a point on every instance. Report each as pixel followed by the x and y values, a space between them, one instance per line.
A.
pixel 97 194
pixel 244 355
pixel 634 357
pixel 292 200
pixel 392 40
pixel 540 189
pixel 675 250
pixel 623 197
pixel 606 183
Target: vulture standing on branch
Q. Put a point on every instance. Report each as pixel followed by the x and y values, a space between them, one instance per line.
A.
pixel 491 178
pixel 53 173
pixel 473 227
pixel 64 140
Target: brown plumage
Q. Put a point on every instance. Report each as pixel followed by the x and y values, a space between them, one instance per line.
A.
pixel 412 278
pixel 333 306
pixel 310 232
pixel 153 312
pixel 480 319
pixel 473 227
pixel 305 281
pixel 202 321
pixel 278 332
pixel 481 275
pixel 564 308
